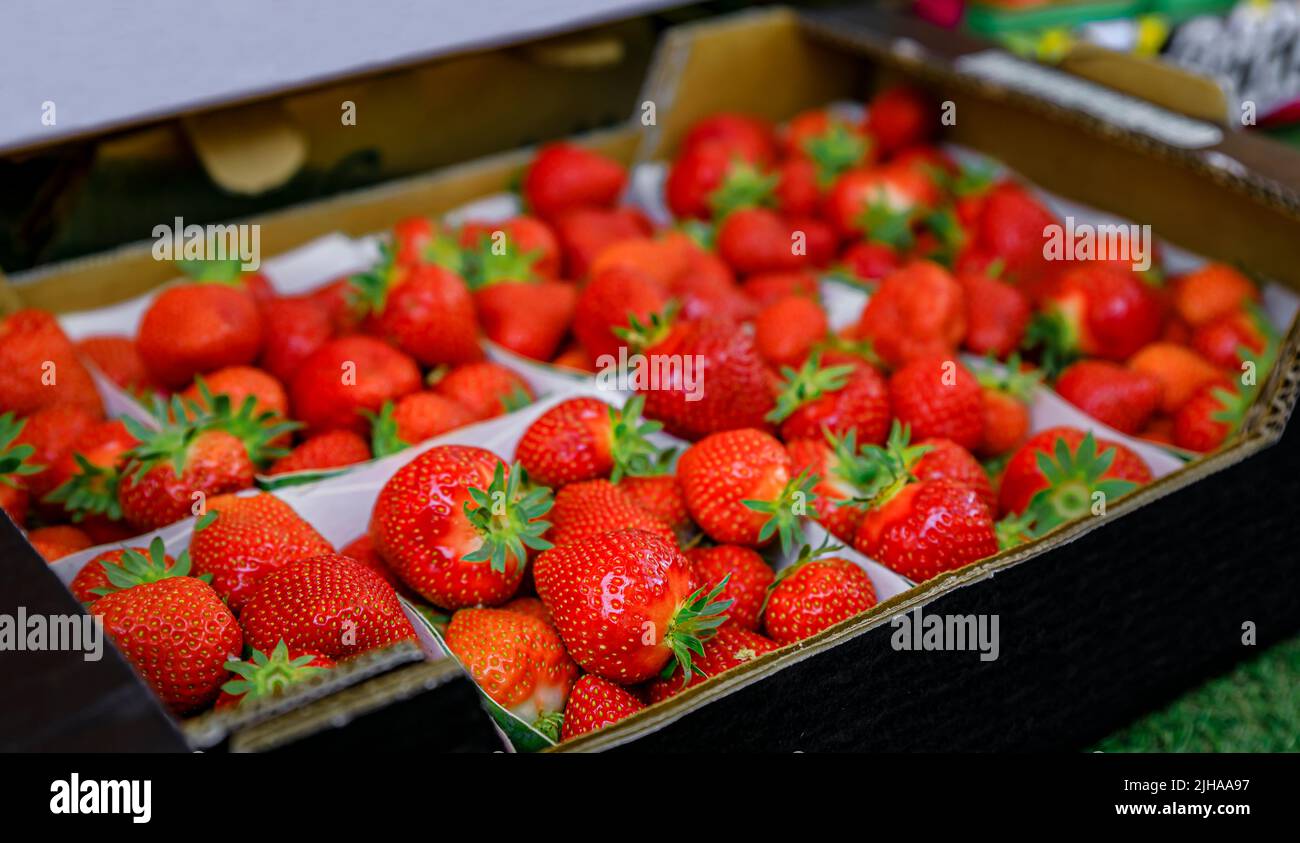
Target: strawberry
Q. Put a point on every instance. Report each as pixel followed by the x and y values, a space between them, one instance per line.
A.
pixel 826 142
pixel 797 192
pixel 709 180
pixel 332 449
pixel 996 314
pixel 1221 340
pixel 346 376
pixel 185 671
pixel 1180 370
pixel 1007 396
pixel 295 328
pixel 14 499
pixel 731 647
pixel 266 677
pixel 814 593
pixel 563 177
pixel 362 550
pixel 868 261
pixel 239 383
pixel 39 366
pixel 647 614
pixel 731 389
pixel 747 579
pixel 660 259
pixel 327 605
pixel 1094 310
pixel 1068 466
pixel 56 542
pixel 740 488
pixel 338 300
pixel 518 661
pixel 821 399
pixel 938 396
pixel 743 135
pixel 424 309
pixel 786 330
pixel 585 438
pixel 833 461
pixel 423 240
pixel 610 301
pixel 126 567
pixel 593 507
pixel 1121 397
pixel 15 465
pixel 119 360
pixel 190 329
pixel 52 432
pixel 754 240
pixel 485 389
pixel 241 539
pixel 531 250
pixel 89 472
pixel 660 495
pixel 1010 228
pixel 586 232
pixel 529 318
pixel 1210 292
pixel 533 607
pixel 900 117
pixel 455 528
pixel 882 202
pixel 767 288
pixel 413 419
pixel 1210 416
pixel 916 312
pixel 595 703
pixel 945 459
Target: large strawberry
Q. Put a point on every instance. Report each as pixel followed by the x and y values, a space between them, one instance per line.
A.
pixel 1095 310
pixel 732 646
pixel 348 375
pixel 15 464
pixel 595 703
pixel 624 605
pixel 1068 467
pixel 241 539
pixel 585 438
pixel 295 328
pixel 747 579
pixel 593 507
pixel 190 329
pixel 741 489
pixel 518 661
pixel 185 670
pixel 817 399
pixel 564 177
pixel 917 311
pixel 263 676
pixel 938 396
pixel 815 592
pixel 456 525
pixel 39 366
pixel 485 389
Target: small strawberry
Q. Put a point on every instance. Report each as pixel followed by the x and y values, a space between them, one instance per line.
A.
pixel 744 135
pixel 818 399
pixel 644 614
pixel 348 375
pixel 997 314
pixel 185 671
pixel 918 311
pixel 1222 340
pixel 595 703
pixel 263 677
pixel 422 240
pixel 1212 291
pixel 52 432
pixel 612 300
pixel 747 579
pixel 327 605
pixel 295 328
pixel 592 507
pixel 332 449
pixel 563 177
pixel 239 383
pixel 1094 310
pixel 586 232
pixel 1118 396
pixel 413 419
pixel 834 462
pixel 815 592
pixel 455 525
pixel 39 366
pixel 242 539
pixel 786 330
pixel 526 249
pixel 1007 396
pixel 518 661
pixel 900 117
pixel 485 388
pixel 1069 466
pixel 938 396
pixel 1009 228
pixel 882 202
pixel 731 647
pixel 190 329
pixel 56 542
pixel 709 180
pixel 756 240
pixel 1181 372
pixel 119 360
pixel 1210 416
pixel 585 439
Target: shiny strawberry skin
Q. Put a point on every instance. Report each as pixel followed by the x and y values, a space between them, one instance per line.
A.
pixel 1010 227
pixel 749 578
pixel 1022 478
pixel 614 597
pixel 816 457
pixel 819 594
pixel 1195 426
pixel 595 703
pixel 215 463
pixel 947 459
pixel 605 304
pixel 429 314
pixel 568 443
pixel 190 329
pixel 322 396
pixel 592 507
pixel 518 661
pixel 731 647
pixel 938 396
pixel 295 328
pixel 1108 312
pixel 721 471
pixel 861 406
pixel 928 527
pixel 93 575
pixel 177 634
pixel 483 388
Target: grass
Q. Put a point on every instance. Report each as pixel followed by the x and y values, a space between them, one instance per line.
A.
pixel 1254 708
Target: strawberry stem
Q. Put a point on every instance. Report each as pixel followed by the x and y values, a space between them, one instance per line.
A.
pixel 507 515
pixel 633 453
pixel 1073 478
pixel 786 510
pixel 134 568
pixel 694 622
pixel 806 385
pixel 13 459
pixel 267 676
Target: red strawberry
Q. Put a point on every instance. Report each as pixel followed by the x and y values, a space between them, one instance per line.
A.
pixel 120 361
pixel 265 677
pixel 916 312
pixel 295 328
pixel 1220 341
pixel 900 117
pixel 345 376
pixel 415 418
pixel 1210 292
pixel 661 496
pixel 747 579
pixel 240 383
pixel 593 507
pixel 15 466
pixel 51 432
pixel 242 539
pixel 609 302
pixel 740 488
pixel 362 549
pixel 533 607
pixel 996 314
pixel 326 605
pixel 531 251
pixel 126 567
pixel 1210 416
pixel 786 330
pixel 89 472
pixel 938 396
pixel 1079 467
pixel 834 462
pixel 710 180
pixel 56 542
pixel 1007 396
pixel 821 399
pixel 867 261
pixel 882 202
pixel 190 329
pixel 623 604
pixel 814 594
pixel 185 671
pixel 1010 227
pixel 424 309
pixel 1120 397
pixel 1180 370
pixel 585 438
pixel 586 232
pixel 1095 310
pixel 518 661
pixel 595 703
pixel 454 523
pixel 422 240
pixel 754 240
pixel 731 647
pixel 563 177
pixel 332 449
pixel 39 366
pixel 485 389
pixel 946 459
pixel 751 138
pixel 767 288
pixel 529 318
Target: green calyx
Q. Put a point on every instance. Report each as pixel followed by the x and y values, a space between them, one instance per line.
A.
pixel 134 568
pixel 549 724
pixel 445 252
pixel 884 470
pixel 972 180
pixel 265 676
pixel 704 234
pixel 1014 530
pixel 807 553
pixel 633 453
pixel 806 385
pixel 786 510
pixel 221 271
pixel 256 430
pixel 1055 340
pixel 745 186
pixel 516 399
pixel 507 515
pixel 1074 480
pixel 495 259
pixel 641 334
pixel 694 622
pixel 862 349
pixel 1010 377
pixel 952 237
pixel 368 291
pixel 384 440
pixel 91 490
pixel 13 458
pixel 835 150
pixel 891 227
